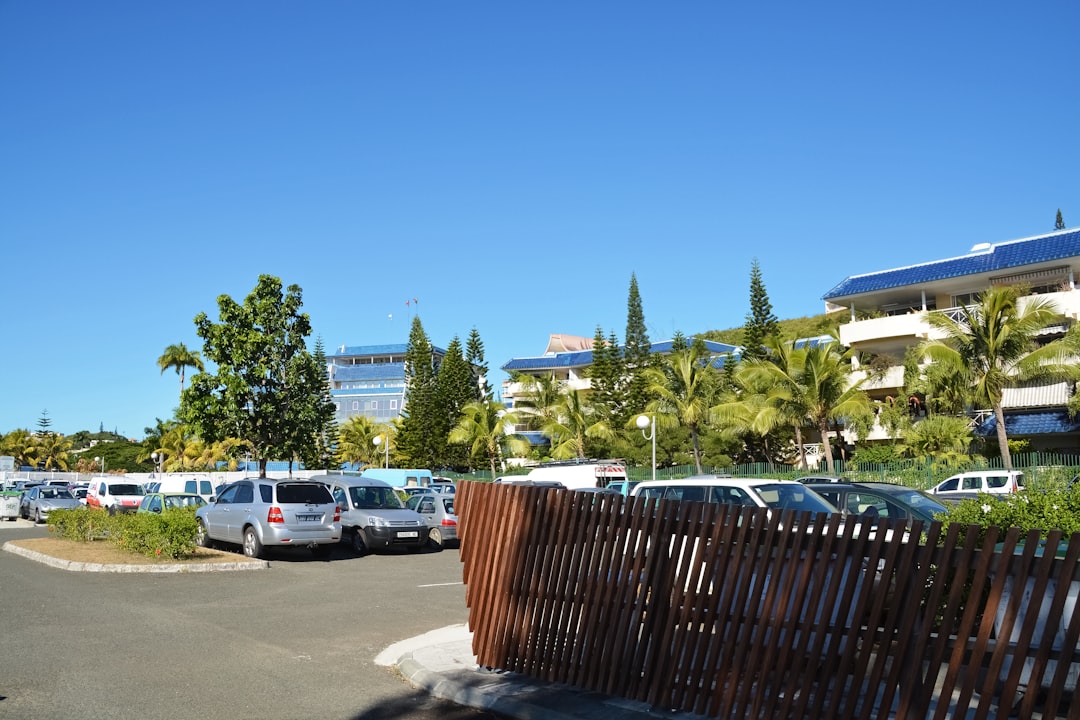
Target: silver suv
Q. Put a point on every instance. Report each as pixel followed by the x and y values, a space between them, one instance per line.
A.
pixel 255 513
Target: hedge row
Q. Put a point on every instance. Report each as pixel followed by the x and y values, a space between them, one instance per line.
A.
pixel 170 534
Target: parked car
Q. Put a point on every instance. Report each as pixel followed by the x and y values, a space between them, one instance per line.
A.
pixel 970 484
pixel 774 494
pixel 818 479
pixel 437 509
pixel 880 500
pixel 372 516
pixel 38 502
pixel 159 502
pixel 186 485
pixel 114 495
pixel 259 512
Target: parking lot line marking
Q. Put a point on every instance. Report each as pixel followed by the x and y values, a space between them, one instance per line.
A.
pixel 441 584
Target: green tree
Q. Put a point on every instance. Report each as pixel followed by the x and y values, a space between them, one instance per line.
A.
pixel 179 358
pixel 474 355
pixel 637 355
pixel 322 451
pixel 44 423
pixel 52 451
pixel 989 347
pixel 575 422
pixel 683 386
pixel 484 427
pixel 419 441
pixel 1059 224
pixel 21 445
pixel 455 387
pixel 539 402
pixel 761 323
pixel 267 389
pixel 941 437
pixel 607 376
pixel 355 441
pixel 815 381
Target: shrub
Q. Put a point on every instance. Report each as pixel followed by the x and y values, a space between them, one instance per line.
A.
pixel 170 534
pixel 1055 509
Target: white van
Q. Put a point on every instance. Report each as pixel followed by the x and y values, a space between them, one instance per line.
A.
pixel 372 515
pixel 114 495
pixel 579 475
pixel 751 492
pixel 203 487
pixel 970 484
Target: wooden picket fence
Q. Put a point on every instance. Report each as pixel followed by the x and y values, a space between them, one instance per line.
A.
pixel 733 612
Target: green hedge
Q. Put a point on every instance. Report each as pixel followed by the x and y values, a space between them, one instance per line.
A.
pixel 170 534
pixel 1055 509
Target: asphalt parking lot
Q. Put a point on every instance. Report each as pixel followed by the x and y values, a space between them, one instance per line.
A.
pixel 296 640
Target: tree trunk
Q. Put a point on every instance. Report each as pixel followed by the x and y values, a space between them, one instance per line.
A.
pixel 1003 439
pixel 823 428
pixel 697 450
pixel 802 449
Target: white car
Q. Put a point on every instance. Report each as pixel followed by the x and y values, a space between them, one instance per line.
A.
pixel 970 484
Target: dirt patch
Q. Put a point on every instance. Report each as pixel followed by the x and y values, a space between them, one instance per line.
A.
pixel 106 553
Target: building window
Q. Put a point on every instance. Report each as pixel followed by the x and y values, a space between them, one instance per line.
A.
pixel 393 404
pixel 355 405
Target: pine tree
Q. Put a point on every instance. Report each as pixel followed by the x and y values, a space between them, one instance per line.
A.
pixel 1060 223
pixel 603 374
pixel 416 443
pixel 321 455
pixel 636 354
pixel 456 388
pixel 761 323
pixel 44 423
pixel 474 355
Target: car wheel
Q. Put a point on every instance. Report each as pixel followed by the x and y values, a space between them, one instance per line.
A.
pixel 201 538
pixel 37 517
pixel 435 538
pixel 358 544
pixel 252 547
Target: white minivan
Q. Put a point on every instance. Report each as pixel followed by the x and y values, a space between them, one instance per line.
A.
pixel 114 494
pixel 750 492
pixel 373 516
pixel 970 484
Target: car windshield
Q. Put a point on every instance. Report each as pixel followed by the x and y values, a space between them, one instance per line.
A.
pixel 793 497
pixel 126 489
pixel 308 493
pixel 374 498
pixel 55 494
pixel 918 499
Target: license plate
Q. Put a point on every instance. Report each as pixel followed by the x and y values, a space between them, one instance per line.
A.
pixel 307 518
pixel 408 533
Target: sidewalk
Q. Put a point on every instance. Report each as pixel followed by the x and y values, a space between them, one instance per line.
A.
pixel 442 663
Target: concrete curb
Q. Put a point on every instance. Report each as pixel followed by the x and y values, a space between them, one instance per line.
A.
pixel 101 567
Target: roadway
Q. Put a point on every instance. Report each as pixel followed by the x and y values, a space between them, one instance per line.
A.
pixel 296 640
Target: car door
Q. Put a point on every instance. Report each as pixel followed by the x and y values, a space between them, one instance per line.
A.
pixel 240 511
pixel 217 514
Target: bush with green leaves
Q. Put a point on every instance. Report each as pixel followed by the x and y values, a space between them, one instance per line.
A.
pixel 1055 509
pixel 170 534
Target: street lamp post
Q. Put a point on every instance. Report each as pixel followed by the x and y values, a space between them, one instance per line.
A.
pixel 649 421
pixel 385 441
pixel 101 463
pixel 158 458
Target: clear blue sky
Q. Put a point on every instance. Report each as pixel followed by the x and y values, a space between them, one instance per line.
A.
pixel 507 164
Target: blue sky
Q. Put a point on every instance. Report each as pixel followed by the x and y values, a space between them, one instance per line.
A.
pixel 507 164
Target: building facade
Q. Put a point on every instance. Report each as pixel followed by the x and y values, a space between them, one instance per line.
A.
pixel 888 311
pixel 370 380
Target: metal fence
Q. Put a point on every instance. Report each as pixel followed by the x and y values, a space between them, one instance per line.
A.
pixel 733 612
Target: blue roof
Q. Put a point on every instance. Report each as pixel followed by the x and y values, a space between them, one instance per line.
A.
pixel 584 358
pixel 1003 256
pixel 1035 423
pixel 372 371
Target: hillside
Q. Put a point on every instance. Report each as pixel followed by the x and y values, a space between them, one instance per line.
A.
pixel 791 329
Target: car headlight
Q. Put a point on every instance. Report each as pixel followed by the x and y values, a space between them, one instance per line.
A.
pixel 378 522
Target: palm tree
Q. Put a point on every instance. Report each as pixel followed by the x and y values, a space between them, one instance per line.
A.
pixel 574 421
pixel 991 346
pixel 942 437
pixel 483 426
pixel 53 451
pixel 179 357
pixel 540 400
pixel 22 446
pixel 684 387
pixel 355 444
pixel 810 384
